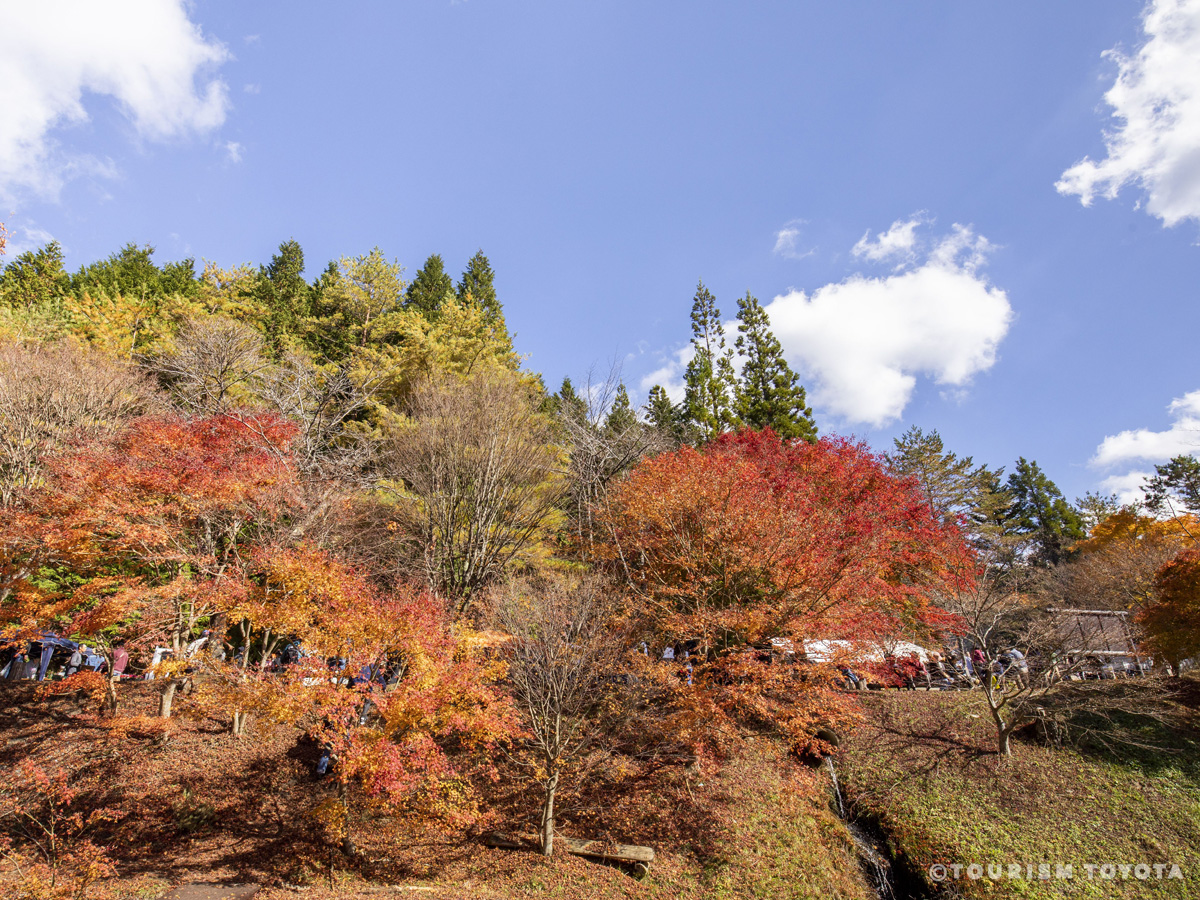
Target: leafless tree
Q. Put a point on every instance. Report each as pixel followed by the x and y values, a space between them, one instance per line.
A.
pixel 601 450
pixel 475 477
pixel 563 653
pixel 213 365
pixel 1037 656
pixel 49 394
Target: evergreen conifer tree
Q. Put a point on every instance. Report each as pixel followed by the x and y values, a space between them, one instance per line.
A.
pixel 710 378
pixel 34 279
pixel 953 486
pixel 569 405
pixel 429 288
pixel 770 394
pixel 477 285
pixel 1040 511
pixel 284 293
pixel 621 416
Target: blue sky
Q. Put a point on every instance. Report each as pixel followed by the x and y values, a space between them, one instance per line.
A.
pixel 883 175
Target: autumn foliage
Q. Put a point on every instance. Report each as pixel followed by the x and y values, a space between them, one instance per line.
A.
pixel 754 538
pixel 1172 624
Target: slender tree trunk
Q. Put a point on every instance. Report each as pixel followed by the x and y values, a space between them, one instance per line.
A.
pixel 166 698
pixel 110 695
pixel 548 816
pixel 1002 741
pixel 348 846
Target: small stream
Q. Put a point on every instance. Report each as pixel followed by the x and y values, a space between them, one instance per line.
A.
pixel 872 854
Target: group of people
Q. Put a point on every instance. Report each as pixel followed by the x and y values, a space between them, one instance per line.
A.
pixel 34 660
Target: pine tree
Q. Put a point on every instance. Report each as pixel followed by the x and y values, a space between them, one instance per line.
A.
pixel 476 285
pixel 953 486
pixel 621 416
pixel 770 394
pixel 429 288
pixel 35 279
pixel 1040 512
pixel 710 379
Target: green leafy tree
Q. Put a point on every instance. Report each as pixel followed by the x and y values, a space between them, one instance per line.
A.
pixel 1040 512
pixel 770 394
pixel 132 273
pixel 710 378
pixel 1175 487
pixel 429 288
pixel 35 278
pixel 357 305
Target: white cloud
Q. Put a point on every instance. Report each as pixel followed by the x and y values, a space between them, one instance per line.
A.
pixel 670 373
pixel 897 243
pixel 233 150
pixel 1155 446
pixel 1143 445
pixel 787 241
pixel 1156 104
pixel 252 88
pixel 866 340
pixel 144 54
pixel 1127 487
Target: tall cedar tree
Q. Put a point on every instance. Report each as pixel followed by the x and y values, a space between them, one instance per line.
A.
pixel 1040 511
pixel 664 415
pixel 477 285
pixel 770 394
pixel 429 288
pixel 284 294
pixel 710 378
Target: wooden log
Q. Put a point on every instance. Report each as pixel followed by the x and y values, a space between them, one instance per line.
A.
pixel 629 853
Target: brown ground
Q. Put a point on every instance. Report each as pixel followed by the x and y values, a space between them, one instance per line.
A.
pixel 192 803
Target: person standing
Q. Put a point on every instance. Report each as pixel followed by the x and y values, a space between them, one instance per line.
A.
pixel 120 660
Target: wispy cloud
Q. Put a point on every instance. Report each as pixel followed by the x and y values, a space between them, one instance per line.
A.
pixel 787 241
pixel 897 244
pixel 233 151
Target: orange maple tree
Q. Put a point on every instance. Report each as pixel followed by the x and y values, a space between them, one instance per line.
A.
pixel 755 538
pixel 380 679
pixel 144 535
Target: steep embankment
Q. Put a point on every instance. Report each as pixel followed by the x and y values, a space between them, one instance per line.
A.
pixel 923 766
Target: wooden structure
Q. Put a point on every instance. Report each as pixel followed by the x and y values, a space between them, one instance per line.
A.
pixel 637 858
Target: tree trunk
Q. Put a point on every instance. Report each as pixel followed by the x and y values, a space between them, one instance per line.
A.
pixel 166 698
pixel 347 841
pixel 110 695
pixel 241 722
pixel 548 816
pixel 1002 741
